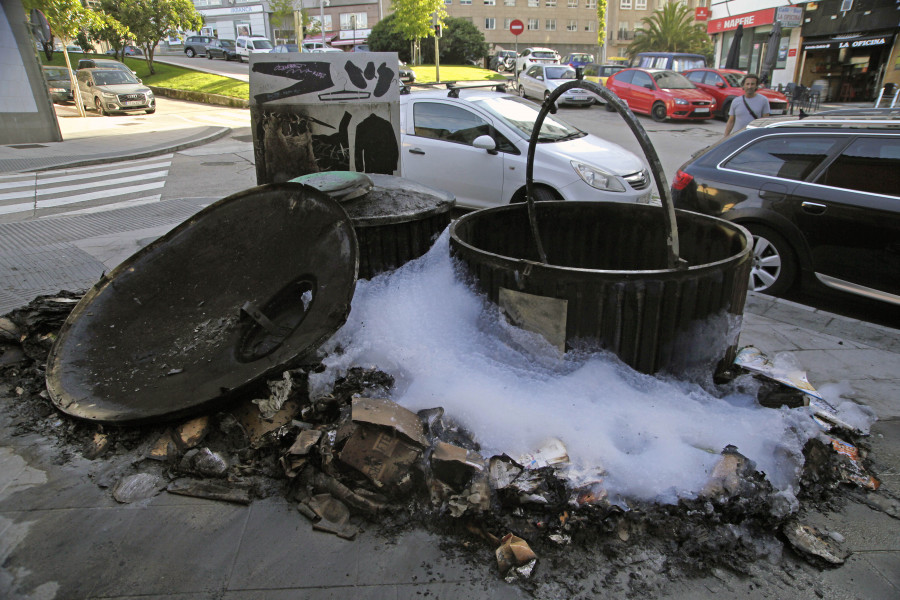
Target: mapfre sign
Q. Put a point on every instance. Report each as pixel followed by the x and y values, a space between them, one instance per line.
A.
pixel 753 19
pixel 701 13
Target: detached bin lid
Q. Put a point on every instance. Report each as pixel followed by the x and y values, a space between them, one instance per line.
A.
pixel 246 287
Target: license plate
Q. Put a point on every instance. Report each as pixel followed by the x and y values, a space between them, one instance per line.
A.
pixel 134 103
pixel 776 111
pixel 579 97
pixel 701 110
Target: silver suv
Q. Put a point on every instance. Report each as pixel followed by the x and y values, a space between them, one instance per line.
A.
pixel 114 90
pixel 195 45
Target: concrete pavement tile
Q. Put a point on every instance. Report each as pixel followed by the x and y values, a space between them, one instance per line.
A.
pixel 64 487
pixel 170 549
pixel 280 550
pixel 773 337
pixel 495 589
pixel 850 364
pixel 354 592
pixel 888 566
pixel 886 453
pixel 882 396
pixel 864 529
pixel 414 557
pixel 65 549
pixel 856 578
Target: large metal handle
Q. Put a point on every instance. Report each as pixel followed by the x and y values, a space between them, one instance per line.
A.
pixel 674 261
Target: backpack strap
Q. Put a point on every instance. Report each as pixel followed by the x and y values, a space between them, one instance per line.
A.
pixel 744 98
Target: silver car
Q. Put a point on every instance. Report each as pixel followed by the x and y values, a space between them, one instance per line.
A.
pixel 540 80
pixel 113 90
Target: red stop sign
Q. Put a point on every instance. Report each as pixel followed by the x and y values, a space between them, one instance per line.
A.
pixel 516 27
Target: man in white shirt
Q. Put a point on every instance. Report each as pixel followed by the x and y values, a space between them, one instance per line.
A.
pixel 748 107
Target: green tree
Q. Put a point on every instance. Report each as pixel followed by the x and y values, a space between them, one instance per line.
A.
pixel 67 18
pixel 671 29
pixel 112 31
pixel 461 43
pixel 414 21
pixel 152 20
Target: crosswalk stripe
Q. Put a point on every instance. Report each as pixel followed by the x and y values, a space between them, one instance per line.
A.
pixel 43 179
pixel 81 186
pixel 106 207
pixel 55 202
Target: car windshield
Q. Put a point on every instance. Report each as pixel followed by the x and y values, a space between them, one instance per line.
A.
pixel 262 44
pixel 559 73
pixel 670 80
pixel 230 44
pixel 113 78
pixel 543 54
pixel 582 58
pixel 521 114
pixel 733 79
pixel 683 64
pixel 55 74
pixel 508 53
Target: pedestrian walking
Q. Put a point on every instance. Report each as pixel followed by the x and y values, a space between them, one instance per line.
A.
pixel 748 107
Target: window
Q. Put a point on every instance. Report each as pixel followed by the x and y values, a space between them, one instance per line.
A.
pixel 533 24
pixel 550 3
pixel 696 76
pixel 792 157
pixel 506 23
pixel 869 164
pixel 589 26
pixel 347 21
pixel 448 1
pixel 590 4
pixel 490 23
pixel 572 3
pixel 465 2
pixel 625 4
pixel 640 4
pixel 490 2
pixel 509 2
pixel 454 124
pixel 572 25
pixel 318 20
pixel 625 76
pixel 641 79
pixel 550 25
pixel 534 3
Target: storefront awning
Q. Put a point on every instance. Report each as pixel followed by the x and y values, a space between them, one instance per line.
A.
pixel 350 42
pixel 858 40
pixel 318 38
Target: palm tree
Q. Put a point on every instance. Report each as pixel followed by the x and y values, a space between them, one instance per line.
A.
pixel 671 29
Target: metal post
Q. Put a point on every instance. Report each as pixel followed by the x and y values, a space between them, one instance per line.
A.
pixel 322 16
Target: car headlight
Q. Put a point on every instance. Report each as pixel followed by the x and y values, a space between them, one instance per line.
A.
pixel 597 178
pixel 58 90
pixel 108 95
pixel 680 101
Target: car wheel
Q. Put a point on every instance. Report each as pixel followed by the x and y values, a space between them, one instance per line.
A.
pixel 99 106
pixel 658 112
pixel 522 90
pixel 774 267
pixel 726 108
pixel 542 194
pixel 190 53
pixel 209 55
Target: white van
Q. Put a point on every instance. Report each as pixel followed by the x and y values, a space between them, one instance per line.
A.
pixel 247 45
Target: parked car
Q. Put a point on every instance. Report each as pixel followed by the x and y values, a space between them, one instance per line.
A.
pixel 325 50
pixel 672 61
pixel 599 73
pixel 113 90
pixel 540 80
pixel 74 48
pixel 104 63
pixel 285 48
pixel 536 56
pixel 725 85
pixel 661 94
pixel 195 45
pixel 475 146
pixel 360 48
pixel 578 59
pixel 503 60
pixel 247 45
pixel 58 84
pixel 222 49
pixel 820 196
pixel 407 75
pixel 126 51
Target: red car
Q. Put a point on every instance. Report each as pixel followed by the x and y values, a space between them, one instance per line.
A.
pixel 661 94
pixel 725 85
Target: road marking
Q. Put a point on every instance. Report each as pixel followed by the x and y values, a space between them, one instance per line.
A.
pixel 47 177
pixel 55 202
pixel 106 207
pixel 81 186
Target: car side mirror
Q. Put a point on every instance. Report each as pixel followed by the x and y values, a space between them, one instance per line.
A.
pixel 540 77
pixel 486 142
pixel 649 86
pixel 721 84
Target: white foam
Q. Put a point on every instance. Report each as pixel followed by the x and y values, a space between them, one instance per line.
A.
pixel 447 346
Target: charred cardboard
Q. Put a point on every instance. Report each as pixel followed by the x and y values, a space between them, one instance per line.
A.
pixel 385 443
pixel 454 465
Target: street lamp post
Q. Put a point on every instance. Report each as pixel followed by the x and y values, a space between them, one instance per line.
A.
pixel 353 24
pixel 322 4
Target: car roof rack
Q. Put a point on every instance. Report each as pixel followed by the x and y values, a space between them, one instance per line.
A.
pixel 453 87
pixel 850 118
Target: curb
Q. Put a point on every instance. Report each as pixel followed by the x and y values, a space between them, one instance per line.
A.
pixel 204 97
pixel 212 134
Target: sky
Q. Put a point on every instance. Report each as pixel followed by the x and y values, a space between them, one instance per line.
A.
pixel 650 438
